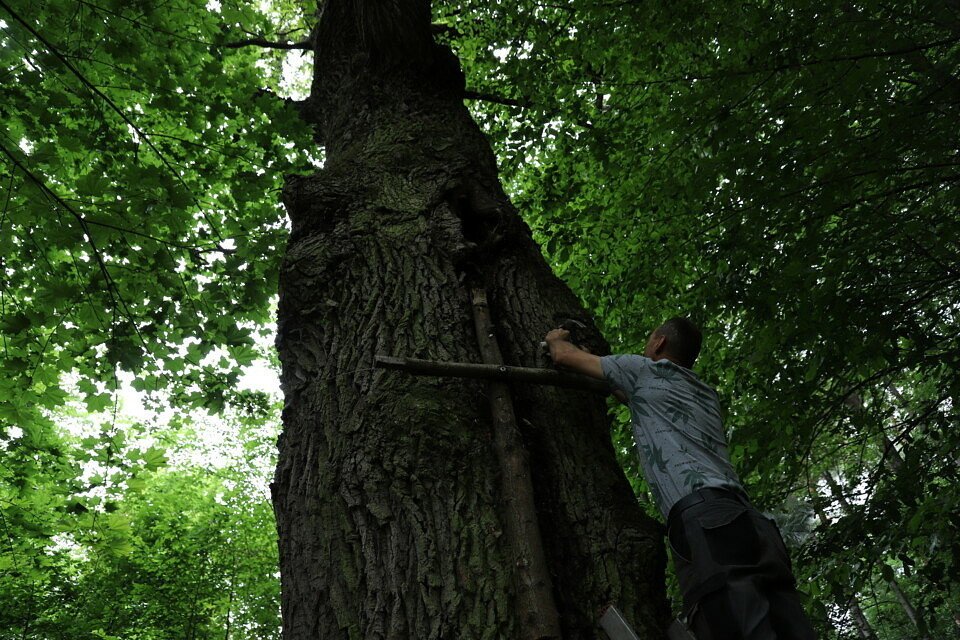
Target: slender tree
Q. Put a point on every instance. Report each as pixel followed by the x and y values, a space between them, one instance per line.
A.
pixel 389 499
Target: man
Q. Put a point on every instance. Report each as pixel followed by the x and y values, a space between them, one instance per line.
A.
pixel 730 560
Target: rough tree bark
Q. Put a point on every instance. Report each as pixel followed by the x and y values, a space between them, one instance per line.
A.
pixel 387 488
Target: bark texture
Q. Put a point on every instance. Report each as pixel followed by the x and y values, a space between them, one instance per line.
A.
pixel 387 491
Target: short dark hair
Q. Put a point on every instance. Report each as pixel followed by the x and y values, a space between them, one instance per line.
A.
pixel 683 340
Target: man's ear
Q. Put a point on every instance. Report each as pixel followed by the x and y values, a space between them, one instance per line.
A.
pixel 659 345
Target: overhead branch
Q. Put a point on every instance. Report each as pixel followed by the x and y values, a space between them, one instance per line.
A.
pixel 84 221
pixel 525 103
pixel 723 75
pixel 444 29
pixel 139 24
pixel 176 245
pixel 305 45
pixel 112 289
pixel 498 99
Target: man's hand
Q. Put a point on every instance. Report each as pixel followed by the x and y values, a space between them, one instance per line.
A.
pixel 566 354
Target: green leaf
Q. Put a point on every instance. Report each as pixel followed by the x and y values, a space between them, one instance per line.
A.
pixel 886 571
pixel 154 458
pixel 98 402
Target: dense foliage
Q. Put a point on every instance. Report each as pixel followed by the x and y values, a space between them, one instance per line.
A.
pixel 140 232
pixel 786 173
pixel 141 529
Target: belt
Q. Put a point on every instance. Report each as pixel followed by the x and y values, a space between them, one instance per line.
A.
pixel 703 495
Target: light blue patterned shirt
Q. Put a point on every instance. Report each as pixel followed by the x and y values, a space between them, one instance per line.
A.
pixel 676 425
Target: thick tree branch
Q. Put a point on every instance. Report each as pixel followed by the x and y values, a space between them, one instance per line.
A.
pixel 305 45
pixel 444 29
pixel 492 97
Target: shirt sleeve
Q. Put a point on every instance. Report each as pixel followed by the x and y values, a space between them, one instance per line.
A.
pixel 624 371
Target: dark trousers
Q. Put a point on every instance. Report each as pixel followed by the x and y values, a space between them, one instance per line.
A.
pixel 734 570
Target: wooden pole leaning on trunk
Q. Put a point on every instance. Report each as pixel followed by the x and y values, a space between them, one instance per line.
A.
pixel 537 610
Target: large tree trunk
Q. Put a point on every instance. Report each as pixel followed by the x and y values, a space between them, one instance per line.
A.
pixel 387 491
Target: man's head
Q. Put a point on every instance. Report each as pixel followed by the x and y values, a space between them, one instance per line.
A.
pixel 677 340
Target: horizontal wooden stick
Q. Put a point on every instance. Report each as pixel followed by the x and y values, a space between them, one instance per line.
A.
pixel 530 375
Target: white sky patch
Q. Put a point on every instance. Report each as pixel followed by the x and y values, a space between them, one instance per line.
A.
pixel 65 543
pixel 131 403
pixel 215 444
pixel 260 376
pixel 134 406
pixel 295 74
pixel 214 5
pixel 133 134
pixel 522 52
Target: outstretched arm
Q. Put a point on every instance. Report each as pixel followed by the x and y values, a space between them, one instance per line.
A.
pixel 566 354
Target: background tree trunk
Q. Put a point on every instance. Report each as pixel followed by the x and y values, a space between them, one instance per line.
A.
pixel 386 491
